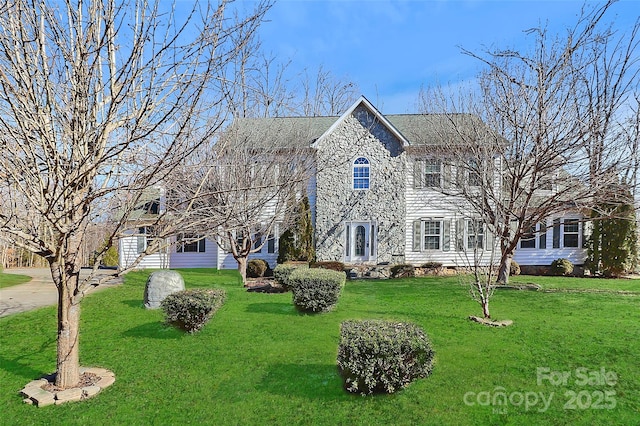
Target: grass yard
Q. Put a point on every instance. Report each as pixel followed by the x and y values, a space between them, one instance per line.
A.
pixel 260 362
pixel 7 280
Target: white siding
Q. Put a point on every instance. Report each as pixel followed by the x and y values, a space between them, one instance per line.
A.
pixel 128 253
pixel 432 204
pixel 543 257
pixel 208 259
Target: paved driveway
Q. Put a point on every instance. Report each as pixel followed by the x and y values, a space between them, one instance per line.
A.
pixel 38 292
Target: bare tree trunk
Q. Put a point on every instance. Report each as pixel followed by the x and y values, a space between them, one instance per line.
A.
pixel 242 267
pixel 505 269
pixel 68 361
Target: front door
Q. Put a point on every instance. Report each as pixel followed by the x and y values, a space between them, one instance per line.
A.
pixel 359 242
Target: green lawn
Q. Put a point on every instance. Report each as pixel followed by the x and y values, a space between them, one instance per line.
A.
pixel 260 362
pixel 7 280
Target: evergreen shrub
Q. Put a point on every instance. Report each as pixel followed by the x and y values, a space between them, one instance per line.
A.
pixel 382 356
pixel 257 268
pixel 316 290
pixel 403 271
pixel 334 266
pixel 514 269
pixel 190 310
pixel 561 266
pixel 281 273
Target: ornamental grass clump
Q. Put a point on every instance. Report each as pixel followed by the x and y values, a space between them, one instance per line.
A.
pixel 190 310
pixel 316 290
pixel 382 356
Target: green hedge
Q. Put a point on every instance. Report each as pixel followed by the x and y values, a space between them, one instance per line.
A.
pixel 257 268
pixel 561 267
pixel 403 271
pixel 190 310
pixel 334 266
pixel 382 356
pixel 281 272
pixel 316 290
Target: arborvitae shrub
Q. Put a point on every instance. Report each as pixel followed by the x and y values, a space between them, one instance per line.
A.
pixel 190 310
pixel 257 268
pixel 402 271
pixel 334 266
pixel 561 267
pixel 316 290
pixel 382 356
pixel 514 269
pixel 281 272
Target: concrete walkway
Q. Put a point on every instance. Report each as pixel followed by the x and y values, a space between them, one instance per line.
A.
pixel 40 291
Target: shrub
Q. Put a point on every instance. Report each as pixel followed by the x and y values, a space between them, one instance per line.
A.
pixel 281 272
pixel 316 290
pixel 402 271
pixel 382 356
pixel 190 310
pixel 334 266
pixel 561 267
pixel 432 265
pixel 514 269
pixel 257 268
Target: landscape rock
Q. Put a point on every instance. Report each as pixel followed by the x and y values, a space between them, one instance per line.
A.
pixel 159 285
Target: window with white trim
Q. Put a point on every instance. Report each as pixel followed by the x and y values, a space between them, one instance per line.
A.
pixel 571 233
pixel 432 173
pixel 475 234
pixel 535 237
pixel 431 234
pixel 361 173
pixel 190 243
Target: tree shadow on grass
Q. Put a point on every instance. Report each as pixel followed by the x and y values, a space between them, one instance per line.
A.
pixel 154 330
pixel 138 303
pixel 272 308
pixel 20 365
pixel 313 381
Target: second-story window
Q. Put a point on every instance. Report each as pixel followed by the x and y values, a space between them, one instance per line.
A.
pixel 361 173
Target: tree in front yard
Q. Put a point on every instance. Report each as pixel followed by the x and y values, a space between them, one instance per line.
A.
pixel 544 139
pixel 100 100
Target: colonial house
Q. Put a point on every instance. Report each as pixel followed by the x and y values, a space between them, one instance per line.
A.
pixel 378 195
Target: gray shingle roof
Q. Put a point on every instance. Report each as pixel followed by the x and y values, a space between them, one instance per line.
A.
pixel 301 132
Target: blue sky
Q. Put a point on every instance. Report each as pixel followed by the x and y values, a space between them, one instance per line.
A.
pixel 392 48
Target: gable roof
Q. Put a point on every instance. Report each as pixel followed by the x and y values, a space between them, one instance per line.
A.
pixel 376 114
pixel 306 132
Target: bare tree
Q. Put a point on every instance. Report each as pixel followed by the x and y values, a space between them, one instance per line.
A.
pixel 100 100
pixel 245 188
pixel 544 139
pixel 324 94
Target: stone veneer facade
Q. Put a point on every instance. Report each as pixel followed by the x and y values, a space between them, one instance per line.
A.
pixel 360 135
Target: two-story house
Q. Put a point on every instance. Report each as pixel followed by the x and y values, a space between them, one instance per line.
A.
pixel 379 193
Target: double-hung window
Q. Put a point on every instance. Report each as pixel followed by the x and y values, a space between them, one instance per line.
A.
pixel 432 234
pixel 190 243
pixel 571 233
pixel 361 173
pixel 432 173
pixel 475 234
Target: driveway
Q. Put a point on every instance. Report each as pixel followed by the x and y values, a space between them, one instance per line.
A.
pixel 40 291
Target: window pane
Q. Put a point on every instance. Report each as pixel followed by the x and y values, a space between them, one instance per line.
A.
pixel 432 235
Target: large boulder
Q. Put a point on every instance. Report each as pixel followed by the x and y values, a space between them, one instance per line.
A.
pixel 159 285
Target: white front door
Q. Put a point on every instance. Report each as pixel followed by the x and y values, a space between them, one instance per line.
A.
pixel 360 237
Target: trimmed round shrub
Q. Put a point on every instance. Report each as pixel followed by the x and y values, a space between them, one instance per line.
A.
pixel 514 269
pixel 382 356
pixel 257 268
pixel 316 290
pixel 334 266
pixel 282 271
pixel 190 310
pixel 403 271
pixel 561 267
